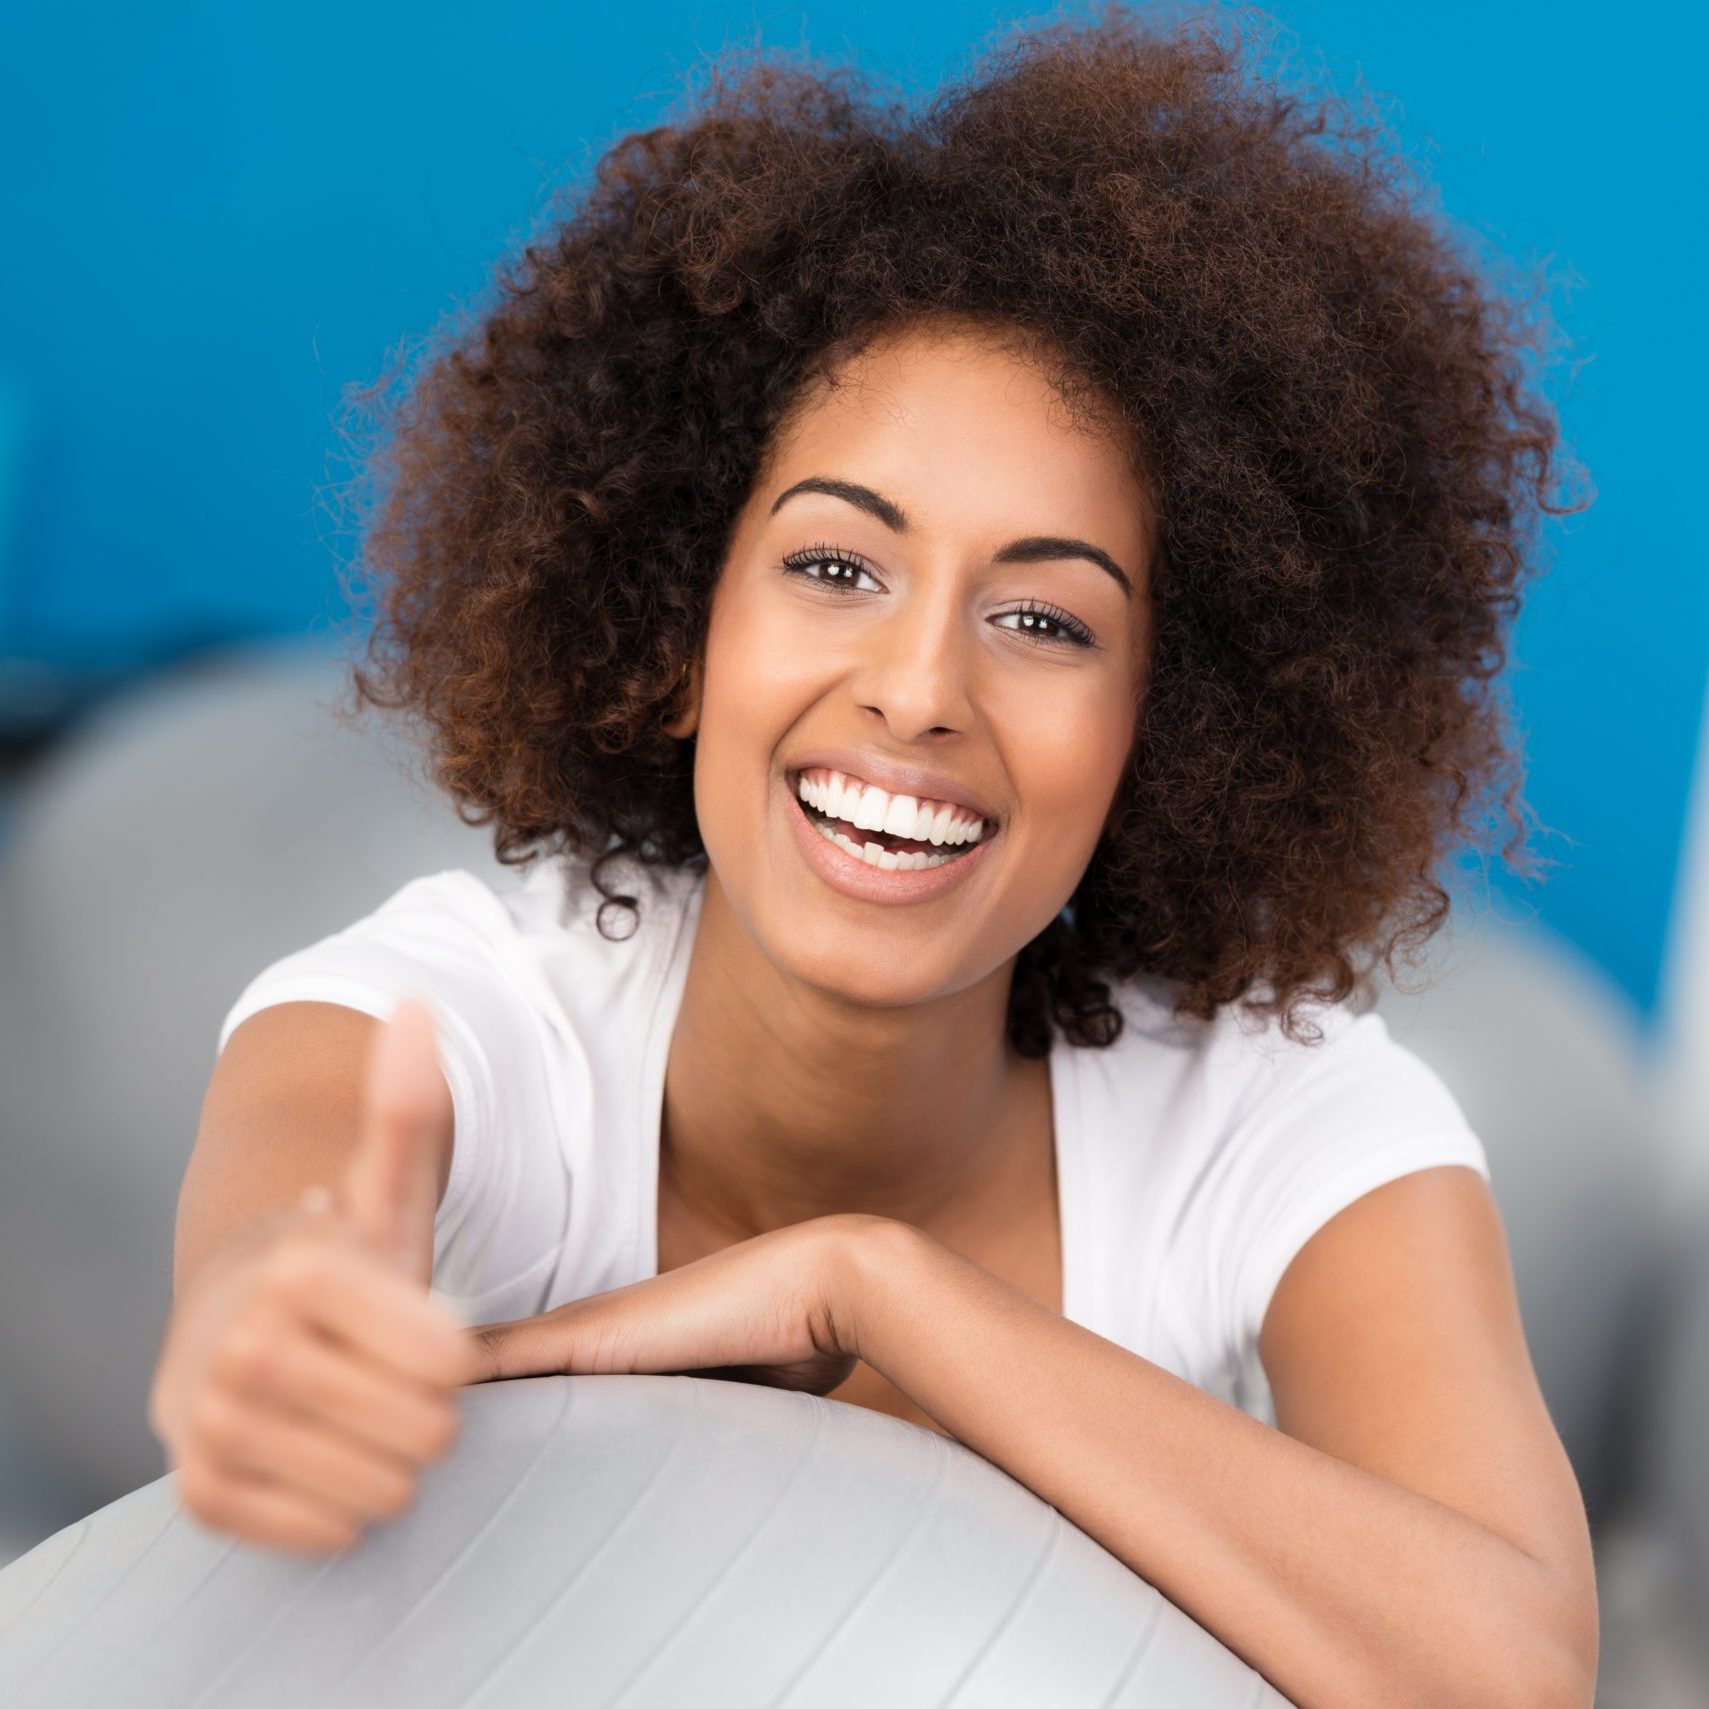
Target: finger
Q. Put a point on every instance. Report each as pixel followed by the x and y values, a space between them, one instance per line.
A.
pixel 390 1185
pixel 278 1442
pixel 330 1380
pixel 343 1291
pixel 607 1332
pixel 263 1510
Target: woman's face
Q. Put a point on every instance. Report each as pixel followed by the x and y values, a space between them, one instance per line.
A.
pixel 947 629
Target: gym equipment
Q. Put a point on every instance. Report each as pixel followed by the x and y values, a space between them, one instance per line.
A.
pixel 625 1542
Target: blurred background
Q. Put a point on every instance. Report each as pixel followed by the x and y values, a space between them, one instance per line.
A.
pixel 219 218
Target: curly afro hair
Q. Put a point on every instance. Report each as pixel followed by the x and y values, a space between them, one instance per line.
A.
pixel 1328 400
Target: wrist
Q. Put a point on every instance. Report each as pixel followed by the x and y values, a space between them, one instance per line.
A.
pixel 868 1261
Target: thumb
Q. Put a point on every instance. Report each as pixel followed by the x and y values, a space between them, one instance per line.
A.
pixel 391 1184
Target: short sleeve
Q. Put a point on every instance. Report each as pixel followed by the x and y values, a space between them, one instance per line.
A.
pixel 1324 1127
pixel 439 938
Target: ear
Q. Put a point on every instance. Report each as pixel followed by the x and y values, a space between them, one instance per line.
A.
pixel 686 721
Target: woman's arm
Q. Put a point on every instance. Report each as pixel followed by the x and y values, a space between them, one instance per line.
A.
pixel 1412 1535
pixel 282 1112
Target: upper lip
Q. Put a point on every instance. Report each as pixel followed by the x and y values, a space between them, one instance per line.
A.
pixel 894 778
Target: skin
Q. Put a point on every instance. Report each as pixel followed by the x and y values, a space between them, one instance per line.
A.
pixel 885 1083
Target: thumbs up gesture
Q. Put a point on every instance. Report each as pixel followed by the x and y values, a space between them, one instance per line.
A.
pixel 389 1192
pixel 307 1374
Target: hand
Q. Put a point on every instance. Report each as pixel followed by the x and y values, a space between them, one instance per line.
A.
pixel 777 1309
pixel 306 1373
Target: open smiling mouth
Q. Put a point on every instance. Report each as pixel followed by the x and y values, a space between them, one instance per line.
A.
pixel 888 850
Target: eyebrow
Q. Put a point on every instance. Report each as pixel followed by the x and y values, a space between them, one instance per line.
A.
pixel 1034 549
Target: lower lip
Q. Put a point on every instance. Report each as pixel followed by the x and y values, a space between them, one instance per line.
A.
pixel 842 871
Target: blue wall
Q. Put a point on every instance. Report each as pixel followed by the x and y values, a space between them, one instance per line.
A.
pixel 215 217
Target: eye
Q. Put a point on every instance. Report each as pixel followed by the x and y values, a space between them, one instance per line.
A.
pixel 804 563
pixel 1050 625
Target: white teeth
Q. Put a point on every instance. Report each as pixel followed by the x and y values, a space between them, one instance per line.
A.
pixel 899 817
pixel 883 858
pixel 870 809
pixel 866 807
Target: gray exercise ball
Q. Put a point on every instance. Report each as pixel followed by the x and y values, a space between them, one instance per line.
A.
pixel 625 1542
pixel 193 830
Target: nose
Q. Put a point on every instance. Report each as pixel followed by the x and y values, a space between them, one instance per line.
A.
pixel 915 675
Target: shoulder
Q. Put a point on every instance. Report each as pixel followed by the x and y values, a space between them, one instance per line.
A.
pixel 496 959
pixel 1231 1144
pixel 554 897
pixel 1284 1127
pixel 1248 1078
pixel 551 915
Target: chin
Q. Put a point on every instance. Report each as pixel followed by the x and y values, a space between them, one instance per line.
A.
pixel 868 975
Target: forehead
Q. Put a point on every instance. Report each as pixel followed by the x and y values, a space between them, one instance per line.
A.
pixel 968 431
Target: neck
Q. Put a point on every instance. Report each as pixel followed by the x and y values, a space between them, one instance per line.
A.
pixel 783 1102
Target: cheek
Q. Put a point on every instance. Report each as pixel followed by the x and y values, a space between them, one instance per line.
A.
pixel 759 675
pixel 1065 758
pixel 765 659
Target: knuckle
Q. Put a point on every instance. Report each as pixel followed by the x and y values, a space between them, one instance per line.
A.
pixel 204 1492
pixel 213 1419
pixel 292 1268
pixel 308 1529
pixel 246 1355
pixel 439 1436
pixel 341 1533
pixel 397 1493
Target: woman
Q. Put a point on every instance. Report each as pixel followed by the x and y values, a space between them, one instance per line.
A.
pixel 1014 591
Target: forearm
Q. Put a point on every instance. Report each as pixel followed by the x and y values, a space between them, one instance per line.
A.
pixel 1339 1586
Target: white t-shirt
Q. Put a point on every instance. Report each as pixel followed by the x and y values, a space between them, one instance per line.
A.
pixel 1193 1160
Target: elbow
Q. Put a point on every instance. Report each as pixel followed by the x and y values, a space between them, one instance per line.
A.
pixel 1552 1667
pixel 1554 1652
pixel 1566 1676
pixel 1571 1645
pixel 1541 1656
pixel 1565 1680
pixel 1557 1678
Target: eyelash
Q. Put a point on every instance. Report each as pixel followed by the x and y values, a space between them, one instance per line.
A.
pixel 1074 632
